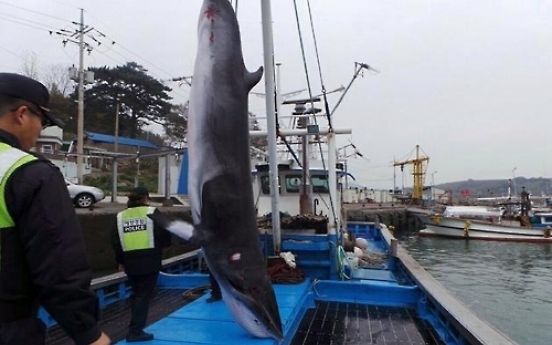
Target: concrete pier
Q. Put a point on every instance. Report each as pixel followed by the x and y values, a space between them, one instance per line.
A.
pixel 98 222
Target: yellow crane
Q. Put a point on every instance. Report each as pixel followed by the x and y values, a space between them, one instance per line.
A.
pixel 419 171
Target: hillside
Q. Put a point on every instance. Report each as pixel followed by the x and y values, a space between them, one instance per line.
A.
pixel 483 188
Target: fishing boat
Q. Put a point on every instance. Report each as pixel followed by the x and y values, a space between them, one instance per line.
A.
pixel 487 224
pixel 343 282
pixel 326 290
pixel 391 300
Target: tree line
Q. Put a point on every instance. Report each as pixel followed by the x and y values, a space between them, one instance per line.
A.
pixel 140 99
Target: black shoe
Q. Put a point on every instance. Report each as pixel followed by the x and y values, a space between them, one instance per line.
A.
pixel 142 336
pixel 213 299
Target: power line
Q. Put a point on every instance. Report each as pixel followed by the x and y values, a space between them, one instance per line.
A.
pixel 33 11
pixel 133 53
pixel 13 19
pixel 9 51
pixel 72 34
pixel 66 4
pixel 96 38
pixel 116 45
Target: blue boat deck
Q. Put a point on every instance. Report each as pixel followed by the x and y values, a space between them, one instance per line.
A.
pixel 211 323
pixel 349 323
pixel 176 320
pixel 380 302
pixel 376 305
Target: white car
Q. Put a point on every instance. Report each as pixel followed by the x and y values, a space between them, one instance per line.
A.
pixel 84 196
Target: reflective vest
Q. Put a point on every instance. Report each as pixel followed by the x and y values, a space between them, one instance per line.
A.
pixel 135 228
pixel 11 158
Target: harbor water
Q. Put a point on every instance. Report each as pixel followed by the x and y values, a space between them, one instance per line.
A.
pixel 507 284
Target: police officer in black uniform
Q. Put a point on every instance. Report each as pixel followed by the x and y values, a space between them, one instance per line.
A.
pixel 42 250
pixel 138 244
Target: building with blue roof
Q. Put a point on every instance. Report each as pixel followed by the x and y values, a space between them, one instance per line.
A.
pixel 99 149
pixel 92 137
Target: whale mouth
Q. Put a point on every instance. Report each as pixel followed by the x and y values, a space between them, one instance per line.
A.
pixel 250 310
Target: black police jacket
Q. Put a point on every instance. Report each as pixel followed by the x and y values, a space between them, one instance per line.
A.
pixel 43 258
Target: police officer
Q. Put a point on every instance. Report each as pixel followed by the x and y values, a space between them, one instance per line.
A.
pixel 138 244
pixel 42 250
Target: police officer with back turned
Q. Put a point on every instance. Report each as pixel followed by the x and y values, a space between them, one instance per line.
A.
pixel 138 244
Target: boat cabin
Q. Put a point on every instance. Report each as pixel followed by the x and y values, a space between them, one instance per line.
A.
pixel 290 181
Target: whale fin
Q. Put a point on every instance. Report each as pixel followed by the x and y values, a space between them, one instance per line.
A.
pixel 252 79
pixel 178 227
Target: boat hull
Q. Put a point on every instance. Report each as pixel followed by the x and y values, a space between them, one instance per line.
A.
pixel 481 230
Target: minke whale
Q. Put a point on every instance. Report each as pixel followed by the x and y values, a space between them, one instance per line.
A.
pixel 219 185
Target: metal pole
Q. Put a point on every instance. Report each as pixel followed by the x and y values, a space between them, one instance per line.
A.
pixel 80 110
pixel 359 67
pixel 115 161
pixel 268 49
pixel 345 160
pixel 278 90
pixel 137 178
pixel 394 178
pixel 167 177
pixel 168 201
pixel 433 184
pixel 514 181
pixel 299 132
pixel 335 219
pixel 305 197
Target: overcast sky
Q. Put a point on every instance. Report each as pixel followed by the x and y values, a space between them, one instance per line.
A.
pixel 469 81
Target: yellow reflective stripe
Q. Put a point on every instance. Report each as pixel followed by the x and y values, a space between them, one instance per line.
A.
pixel 10 159
pixel 135 229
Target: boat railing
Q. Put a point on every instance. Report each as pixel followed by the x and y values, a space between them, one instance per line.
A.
pixel 113 287
pixel 452 320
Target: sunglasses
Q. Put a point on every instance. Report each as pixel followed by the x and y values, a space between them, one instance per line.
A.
pixel 44 120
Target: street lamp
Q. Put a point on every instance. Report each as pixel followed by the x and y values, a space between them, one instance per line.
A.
pixel 433 184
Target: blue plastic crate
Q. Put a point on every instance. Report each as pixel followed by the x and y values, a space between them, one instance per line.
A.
pixel 363 230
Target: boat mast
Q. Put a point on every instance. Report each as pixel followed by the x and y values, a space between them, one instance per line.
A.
pixel 268 48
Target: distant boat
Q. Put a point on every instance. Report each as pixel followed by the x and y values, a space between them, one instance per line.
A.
pixel 475 222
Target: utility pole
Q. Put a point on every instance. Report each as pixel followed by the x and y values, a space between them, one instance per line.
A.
pixel 80 111
pixel 80 76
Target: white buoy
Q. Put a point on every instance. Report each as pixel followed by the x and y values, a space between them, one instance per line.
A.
pixel 362 243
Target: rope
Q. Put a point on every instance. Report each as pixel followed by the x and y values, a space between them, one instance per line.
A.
pixel 324 94
pixel 340 258
pixel 310 90
pixel 281 273
pixel 303 54
pixel 291 150
pixel 195 293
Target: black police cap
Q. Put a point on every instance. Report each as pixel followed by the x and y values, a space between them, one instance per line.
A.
pixel 138 193
pixel 30 90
